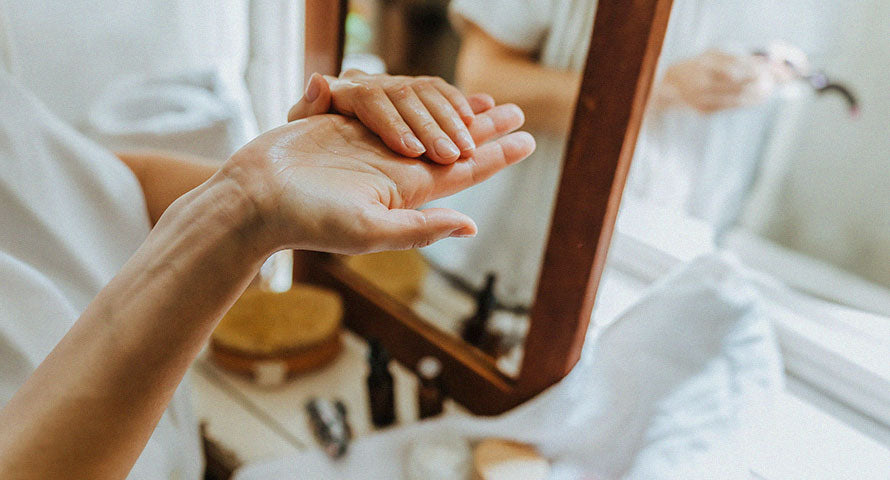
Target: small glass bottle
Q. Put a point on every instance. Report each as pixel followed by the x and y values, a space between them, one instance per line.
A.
pixel 429 393
pixel 381 392
pixel 475 329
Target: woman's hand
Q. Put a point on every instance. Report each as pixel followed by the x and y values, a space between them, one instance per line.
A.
pixel 715 81
pixel 323 183
pixel 327 183
pixel 413 116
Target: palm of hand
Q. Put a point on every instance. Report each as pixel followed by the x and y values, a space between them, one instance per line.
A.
pixel 330 184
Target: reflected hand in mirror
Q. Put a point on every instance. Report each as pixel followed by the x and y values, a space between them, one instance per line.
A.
pixel 716 80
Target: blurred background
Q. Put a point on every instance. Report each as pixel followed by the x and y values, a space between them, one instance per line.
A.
pixel 235 66
pixel 826 188
pixel 804 197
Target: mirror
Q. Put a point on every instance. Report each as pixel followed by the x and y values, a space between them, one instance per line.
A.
pixel 478 290
pixel 501 334
pixel 725 118
pixel 713 147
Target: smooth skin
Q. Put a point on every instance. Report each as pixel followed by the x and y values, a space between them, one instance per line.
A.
pixel 322 183
pixel 413 115
pixel 546 95
pixel 323 95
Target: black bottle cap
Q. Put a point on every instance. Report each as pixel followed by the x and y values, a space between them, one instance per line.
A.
pixel 486 301
pixel 378 357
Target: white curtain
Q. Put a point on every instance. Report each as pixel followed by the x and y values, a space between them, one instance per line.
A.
pixel 275 69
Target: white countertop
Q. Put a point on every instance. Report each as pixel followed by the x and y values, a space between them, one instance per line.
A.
pixel 260 423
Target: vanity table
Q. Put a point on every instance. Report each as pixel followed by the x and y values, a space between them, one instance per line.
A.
pixel 812 441
pixel 258 423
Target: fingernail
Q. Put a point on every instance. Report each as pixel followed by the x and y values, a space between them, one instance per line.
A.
pixel 466 141
pixel 463 232
pixel 313 89
pixel 413 144
pixel 446 149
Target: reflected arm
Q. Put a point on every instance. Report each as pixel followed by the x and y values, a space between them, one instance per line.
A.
pixel 165 176
pixel 547 96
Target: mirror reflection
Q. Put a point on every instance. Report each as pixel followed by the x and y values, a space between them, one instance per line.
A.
pixel 733 144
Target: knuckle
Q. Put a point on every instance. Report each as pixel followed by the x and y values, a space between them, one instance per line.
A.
pixel 439 81
pixel 352 73
pixel 429 126
pixel 454 123
pixel 401 93
pixel 401 131
pixel 398 80
pixel 365 92
pixel 423 82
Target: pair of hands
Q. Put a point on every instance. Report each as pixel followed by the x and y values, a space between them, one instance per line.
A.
pixel 715 80
pixel 350 182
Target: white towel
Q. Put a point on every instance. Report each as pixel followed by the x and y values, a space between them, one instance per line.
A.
pixel 664 392
pixel 191 113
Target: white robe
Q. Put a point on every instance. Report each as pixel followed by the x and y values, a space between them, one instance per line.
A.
pixel 71 214
pixel 702 165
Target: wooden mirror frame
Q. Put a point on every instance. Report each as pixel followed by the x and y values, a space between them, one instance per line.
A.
pixel 624 49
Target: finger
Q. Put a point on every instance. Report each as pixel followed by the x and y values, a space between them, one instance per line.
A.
pixel 316 99
pixel 749 94
pixel 352 73
pixel 457 100
pixel 480 102
pixel 446 116
pixel 757 92
pixel 734 76
pixel 439 148
pixel 485 162
pixel 495 122
pixel 373 107
pixel 403 229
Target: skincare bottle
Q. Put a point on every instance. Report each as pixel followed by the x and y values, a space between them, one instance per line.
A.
pixel 475 329
pixel 429 392
pixel 381 394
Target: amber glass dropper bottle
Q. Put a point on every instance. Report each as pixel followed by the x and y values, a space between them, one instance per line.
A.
pixel 381 392
pixel 475 329
pixel 429 393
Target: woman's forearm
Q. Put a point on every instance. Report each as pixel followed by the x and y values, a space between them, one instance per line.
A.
pixel 321 183
pixel 91 406
pixel 547 96
pixel 165 176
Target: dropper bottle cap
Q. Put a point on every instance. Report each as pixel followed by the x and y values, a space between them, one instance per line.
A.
pixel 429 368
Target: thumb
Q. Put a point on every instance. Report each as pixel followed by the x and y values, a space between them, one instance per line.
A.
pixel 316 100
pixel 403 229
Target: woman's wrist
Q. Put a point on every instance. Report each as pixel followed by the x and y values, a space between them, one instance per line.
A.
pixel 226 208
